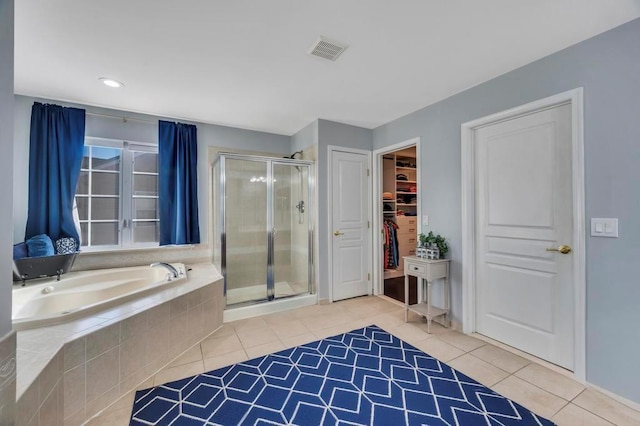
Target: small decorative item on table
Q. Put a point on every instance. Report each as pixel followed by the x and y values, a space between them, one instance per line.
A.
pixel 431 246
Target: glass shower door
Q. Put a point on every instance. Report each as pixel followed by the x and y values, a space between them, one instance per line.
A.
pixel 245 222
pixel 291 229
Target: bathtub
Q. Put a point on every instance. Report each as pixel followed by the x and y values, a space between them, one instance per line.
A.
pixel 80 293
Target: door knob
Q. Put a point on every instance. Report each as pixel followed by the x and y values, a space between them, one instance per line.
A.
pixel 562 249
pixel 338 233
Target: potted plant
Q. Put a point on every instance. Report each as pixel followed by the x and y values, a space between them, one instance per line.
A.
pixel 434 241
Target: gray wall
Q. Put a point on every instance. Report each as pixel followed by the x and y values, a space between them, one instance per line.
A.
pixel 608 67
pixel 305 137
pixel 136 131
pixel 338 134
pixel 6 161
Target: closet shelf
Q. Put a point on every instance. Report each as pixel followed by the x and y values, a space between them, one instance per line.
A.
pixel 388 201
pixel 405 181
pixel 406 193
pixel 406 205
pixel 405 168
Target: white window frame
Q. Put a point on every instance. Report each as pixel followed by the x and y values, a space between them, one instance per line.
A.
pixel 126 195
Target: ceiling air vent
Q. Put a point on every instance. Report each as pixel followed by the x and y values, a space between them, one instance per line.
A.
pixel 327 49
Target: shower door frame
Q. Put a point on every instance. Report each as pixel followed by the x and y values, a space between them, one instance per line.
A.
pixel 270 162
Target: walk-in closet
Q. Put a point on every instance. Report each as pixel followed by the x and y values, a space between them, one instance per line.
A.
pixel 399 209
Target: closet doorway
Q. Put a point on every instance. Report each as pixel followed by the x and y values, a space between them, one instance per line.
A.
pixel 398 211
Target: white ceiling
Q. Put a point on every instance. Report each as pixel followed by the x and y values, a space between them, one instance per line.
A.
pixel 243 63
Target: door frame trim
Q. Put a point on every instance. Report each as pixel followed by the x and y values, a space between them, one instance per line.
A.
pixel 468 156
pixel 378 272
pixel 330 150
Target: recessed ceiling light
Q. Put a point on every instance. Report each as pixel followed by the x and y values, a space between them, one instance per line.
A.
pixel 111 82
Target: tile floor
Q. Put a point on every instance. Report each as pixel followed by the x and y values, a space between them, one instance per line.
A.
pixel 545 391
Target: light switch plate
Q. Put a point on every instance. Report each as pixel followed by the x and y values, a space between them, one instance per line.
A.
pixel 425 220
pixel 604 227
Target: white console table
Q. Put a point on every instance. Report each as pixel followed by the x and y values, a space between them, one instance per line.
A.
pixel 426 271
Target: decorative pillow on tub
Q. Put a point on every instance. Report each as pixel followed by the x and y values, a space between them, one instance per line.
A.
pixel 20 251
pixel 66 245
pixel 40 245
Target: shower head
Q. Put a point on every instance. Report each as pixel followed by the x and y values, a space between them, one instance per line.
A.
pixel 293 156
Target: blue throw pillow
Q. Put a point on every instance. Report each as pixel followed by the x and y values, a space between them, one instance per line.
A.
pixel 40 245
pixel 20 251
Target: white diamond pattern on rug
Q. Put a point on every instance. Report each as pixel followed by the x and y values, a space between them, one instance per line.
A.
pixel 364 377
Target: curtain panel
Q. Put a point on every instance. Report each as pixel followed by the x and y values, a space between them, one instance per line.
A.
pixel 178 183
pixel 55 154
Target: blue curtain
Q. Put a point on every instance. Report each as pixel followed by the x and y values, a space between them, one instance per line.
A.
pixel 55 154
pixel 178 192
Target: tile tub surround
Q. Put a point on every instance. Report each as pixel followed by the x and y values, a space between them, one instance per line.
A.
pixel 7 378
pixel 69 372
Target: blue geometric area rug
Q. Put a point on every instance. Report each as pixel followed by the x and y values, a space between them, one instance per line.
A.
pixel 364 377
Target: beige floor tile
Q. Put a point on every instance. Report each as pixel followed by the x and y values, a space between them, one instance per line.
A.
pixel 112 418
pixel 225 360
pixel 302 339
pixel 461 341
pixel 553 382
pixel 478 369
pixel 500 358
pixel 214 346
pixel 192 354
pixel 572 415
pixel 256 336
pixel 607 408
pixel 289 329
pixel 331 319
pixel 249 323
pixel 146 384
pixel 410 333
pixel 225 330
pixel 439 349
pixel 179 372
pixel 265 349
pixel 532 397
pixel 387 320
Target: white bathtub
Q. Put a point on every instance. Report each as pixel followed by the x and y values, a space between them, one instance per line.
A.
pixel 81 293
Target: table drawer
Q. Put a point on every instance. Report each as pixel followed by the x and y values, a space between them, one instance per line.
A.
pixel 416 269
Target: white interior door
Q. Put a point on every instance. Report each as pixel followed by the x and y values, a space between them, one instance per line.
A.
pixel 523 208
pixel 350 233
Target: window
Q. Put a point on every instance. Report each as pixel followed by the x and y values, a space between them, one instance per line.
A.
pixel 117 194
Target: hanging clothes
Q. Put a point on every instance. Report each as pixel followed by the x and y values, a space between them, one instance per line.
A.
pixel 391 256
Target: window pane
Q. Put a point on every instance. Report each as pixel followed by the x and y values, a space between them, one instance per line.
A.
pixel 105 158
pixel 83 183
pixel 85 157
pixel 84 234
pixel 83 207
pixel 146 162
pixel 145 185
pixel 146 232
pixel 145 208
pixel 105 183
pixel 105 208
pixel 104 234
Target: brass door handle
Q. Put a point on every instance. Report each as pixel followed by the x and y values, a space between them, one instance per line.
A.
pixel 562 249
pixel 338 233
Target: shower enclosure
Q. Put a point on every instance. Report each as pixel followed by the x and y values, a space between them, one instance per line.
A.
pixel 262 227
